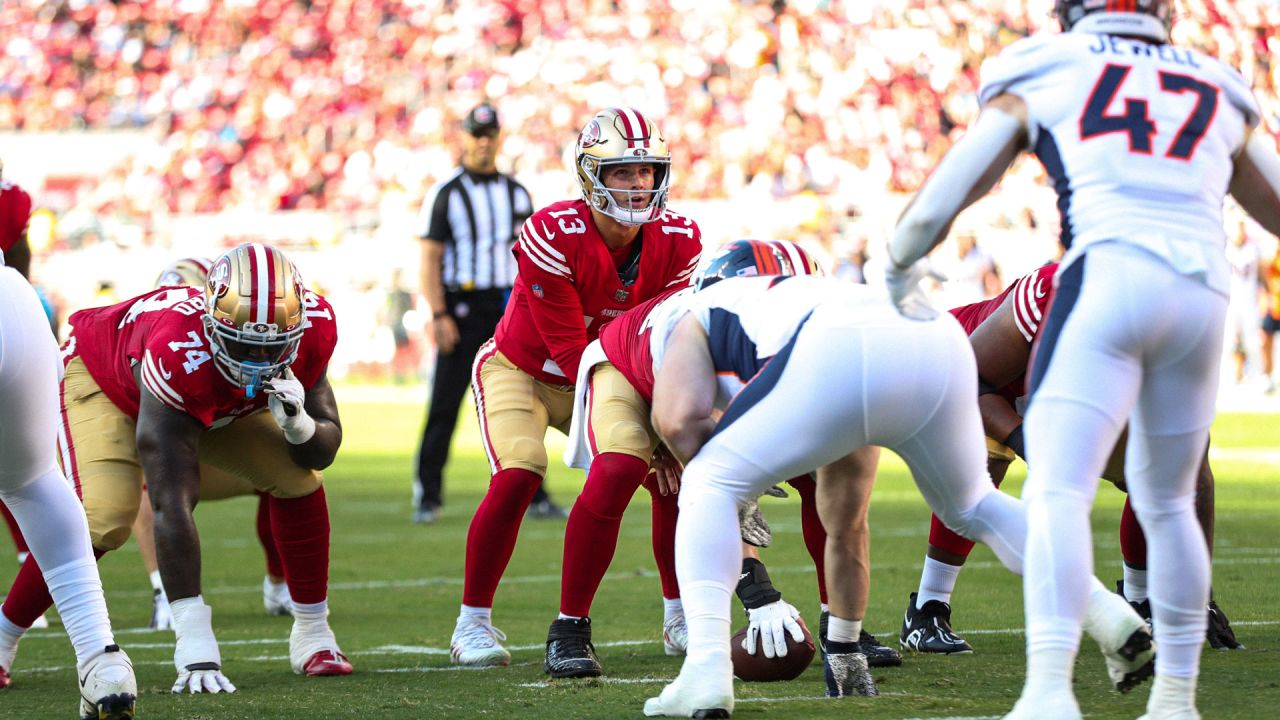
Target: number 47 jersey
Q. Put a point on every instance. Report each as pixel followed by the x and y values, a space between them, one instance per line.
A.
pixel 162 331
pixel 1138 138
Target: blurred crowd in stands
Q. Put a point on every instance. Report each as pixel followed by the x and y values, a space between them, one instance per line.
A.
pixel 351 107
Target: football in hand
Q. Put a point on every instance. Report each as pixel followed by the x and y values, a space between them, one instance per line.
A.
pixel 758 668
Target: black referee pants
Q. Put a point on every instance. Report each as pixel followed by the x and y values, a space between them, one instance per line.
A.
pixel 477 314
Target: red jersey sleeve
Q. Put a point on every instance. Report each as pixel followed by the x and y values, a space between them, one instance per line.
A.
pixel 1031 296
pixel 547 265
pixel 318 340
pixel 15 213
pixel 688 250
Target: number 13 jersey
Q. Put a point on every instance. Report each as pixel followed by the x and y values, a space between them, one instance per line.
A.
pixel 1138 138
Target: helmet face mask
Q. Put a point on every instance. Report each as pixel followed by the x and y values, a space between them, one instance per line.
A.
pixel 751 258
pixel 615 136
pixel 253 314
pixel 1150 19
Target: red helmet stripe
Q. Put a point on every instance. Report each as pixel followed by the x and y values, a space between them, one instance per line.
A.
pixel 258 297
pixel 644 125
pixel 274 286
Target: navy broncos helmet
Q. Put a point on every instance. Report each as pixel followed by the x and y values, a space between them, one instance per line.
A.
pixel 1149 19
pixel 746 258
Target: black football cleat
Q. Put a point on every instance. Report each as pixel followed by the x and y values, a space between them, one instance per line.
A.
pixel 570 653
pixel 928 630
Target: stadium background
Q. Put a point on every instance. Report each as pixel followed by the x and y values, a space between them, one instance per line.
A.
pixel 147 131
pixel 150 130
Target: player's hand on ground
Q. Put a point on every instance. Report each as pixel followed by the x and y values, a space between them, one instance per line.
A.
pixel 769 627
pixel 195 655
pixel 905 290
pixel 667 470
pixel 286 398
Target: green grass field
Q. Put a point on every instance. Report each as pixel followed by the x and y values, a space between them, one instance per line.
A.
pixel 395 589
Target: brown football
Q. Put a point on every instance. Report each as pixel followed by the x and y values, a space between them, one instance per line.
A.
pixel 758 668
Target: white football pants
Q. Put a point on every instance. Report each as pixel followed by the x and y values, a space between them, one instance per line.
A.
pixel 846 381
pixel 1127 339
pixel 45 506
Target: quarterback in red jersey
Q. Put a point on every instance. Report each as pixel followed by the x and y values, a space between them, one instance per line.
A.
pixel 176 379
pixel 581 263
pixel 15 212
pixel 1002 332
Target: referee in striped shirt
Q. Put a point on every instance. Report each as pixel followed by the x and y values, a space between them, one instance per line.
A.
pixel 467 231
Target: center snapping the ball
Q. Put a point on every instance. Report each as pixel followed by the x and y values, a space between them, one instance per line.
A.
pixel 758 668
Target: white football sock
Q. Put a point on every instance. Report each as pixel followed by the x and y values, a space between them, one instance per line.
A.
pixel 841 630
pixel 1135 584
pixel 708 557
pixel 311 612
pixel 77 593
pixel 672 608
pixel 481 615
pixel 562 616
pixel 937 581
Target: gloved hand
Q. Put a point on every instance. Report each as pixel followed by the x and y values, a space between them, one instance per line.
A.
pixel 196 655
pixel 752 526
pixel 905 291
pixel 770 624
pixel 286 405
pixel 846 673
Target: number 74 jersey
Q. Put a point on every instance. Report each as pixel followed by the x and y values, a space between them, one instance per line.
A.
pixel 162 331
pixel 1138 138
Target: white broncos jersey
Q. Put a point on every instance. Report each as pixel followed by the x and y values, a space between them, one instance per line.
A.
pixel 1139 139
pixel 748 320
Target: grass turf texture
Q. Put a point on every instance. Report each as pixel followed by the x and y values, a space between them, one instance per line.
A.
pixel 396 589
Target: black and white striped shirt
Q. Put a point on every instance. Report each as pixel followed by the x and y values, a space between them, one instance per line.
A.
pixel 477 217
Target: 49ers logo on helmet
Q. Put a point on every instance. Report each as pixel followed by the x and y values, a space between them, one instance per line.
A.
pixel 590 136
pixel 220 278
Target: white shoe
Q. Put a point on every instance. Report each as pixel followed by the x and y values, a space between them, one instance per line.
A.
pixel 477 644
pixel 1124 637
pixel 313 650
pixel 275 598
pixel 40 623
pixel 1038 706
pixel 108 689
pixel 675 635
pixel 710 695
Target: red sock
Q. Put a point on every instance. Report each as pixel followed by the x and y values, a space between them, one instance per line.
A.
pixel 301 529
pixel 666 510
pixel 1133 542
pixel 815 536
pixel 20 543
pixel 591 535
pixel 275 568
pixel 492 536
pixel 28 597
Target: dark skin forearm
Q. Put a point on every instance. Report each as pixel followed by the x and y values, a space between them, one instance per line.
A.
pixel 168 447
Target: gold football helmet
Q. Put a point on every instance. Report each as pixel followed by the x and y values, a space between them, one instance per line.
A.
pixel 622 135
pixel 253 314
pixel 190 271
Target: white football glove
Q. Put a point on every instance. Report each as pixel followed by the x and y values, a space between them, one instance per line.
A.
pixel 752 525
pixel 286 398
pixel 196 655
pixel 770 624
pixel 905 291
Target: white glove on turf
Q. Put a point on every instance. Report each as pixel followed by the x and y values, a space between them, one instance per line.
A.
pixel 286 404
pixel 771 623
pixel 196 655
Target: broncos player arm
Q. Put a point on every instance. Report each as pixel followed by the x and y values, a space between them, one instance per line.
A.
pixel 1255 182
pixel 1002 354
pixel 684 391
pixel 968 171
pixel 319 451
pixel 168 447
pixel 18 257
